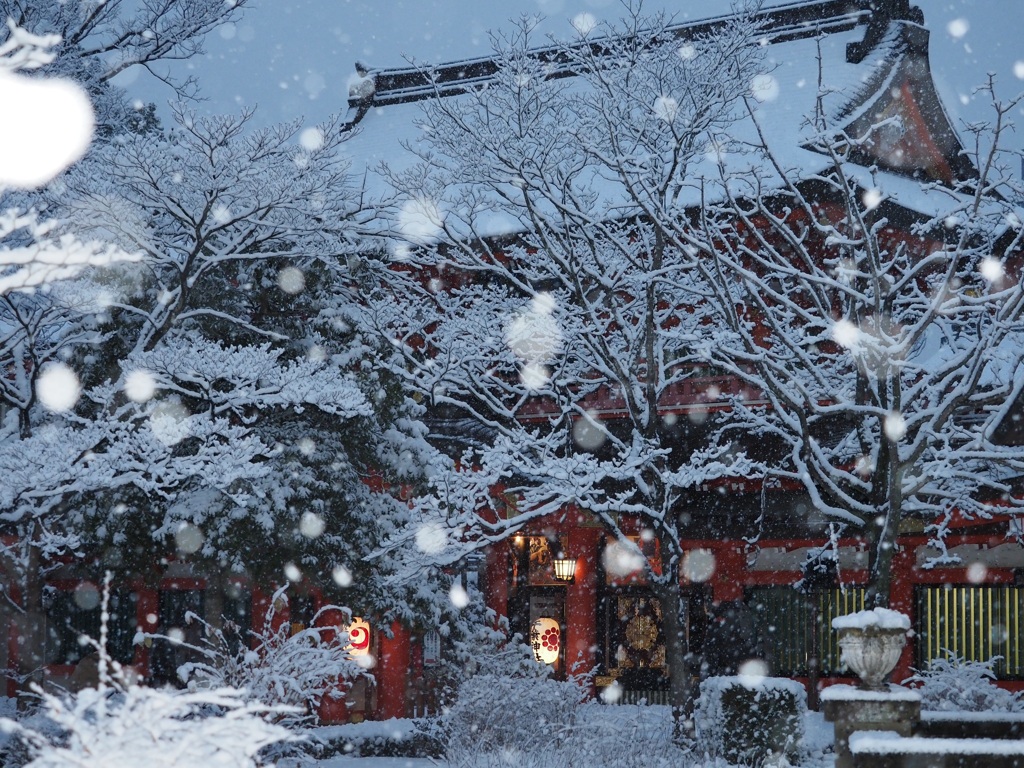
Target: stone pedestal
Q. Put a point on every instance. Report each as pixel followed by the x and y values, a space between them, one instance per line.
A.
pixel 850 709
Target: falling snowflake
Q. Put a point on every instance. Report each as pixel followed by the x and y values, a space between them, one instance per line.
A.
pixel 311 139
pixel 752 673
pixel 53 128
pixel 764 88
pixel 977 573
pixel 846 334
pixel 58 388
pixel 170 422
pixel 895 426
pixel 458 596
pixel 587 432
pixel 957 28
pixel 612 694
pixel 188 538
pixel 623 559
pixel 221 214
pixel 420 220
pixel 311 525
pixel 584 23
pixel 431 538
pixel 139 386
pixel 291 280
pixel 699 565
pixel 991 269
pixel 666 108
pixel 534 376
pixel 342 576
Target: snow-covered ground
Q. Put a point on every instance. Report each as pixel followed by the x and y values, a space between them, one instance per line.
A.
pixel 649 725
pixel 375 762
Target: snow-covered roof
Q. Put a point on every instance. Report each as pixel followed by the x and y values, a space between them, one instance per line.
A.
pixel 866 57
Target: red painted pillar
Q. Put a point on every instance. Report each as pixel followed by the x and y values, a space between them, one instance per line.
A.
pixel 581 602
pixel 727 581
pixel 391 673
pixel 496 576
pixel 901 598
pixel 261 603
pixel 331 709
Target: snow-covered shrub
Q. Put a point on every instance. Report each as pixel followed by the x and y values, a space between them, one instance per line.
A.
pixel 478 641
pixel 624 736
pixel 499 720
pixel 126 726
pixel 120 724
pixel 955 684
pixel 296 670
pixel 502 707
pixel 751 720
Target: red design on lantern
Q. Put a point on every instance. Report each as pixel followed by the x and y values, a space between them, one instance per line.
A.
pixel 358 638
pixel 550 639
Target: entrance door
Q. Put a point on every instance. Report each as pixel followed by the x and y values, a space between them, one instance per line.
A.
pixel 537 601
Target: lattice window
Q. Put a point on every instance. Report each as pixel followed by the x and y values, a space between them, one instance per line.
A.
pixel 975 622
pixel 787 618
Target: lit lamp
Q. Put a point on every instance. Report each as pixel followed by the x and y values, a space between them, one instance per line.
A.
pixel 358 638
pixel 565 569
pixel 546 640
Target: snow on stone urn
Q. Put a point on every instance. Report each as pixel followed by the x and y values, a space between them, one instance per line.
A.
pixel 871 643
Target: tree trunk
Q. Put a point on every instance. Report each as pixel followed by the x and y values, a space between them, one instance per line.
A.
pixel 884 545
pixel 31 624
pixel 680 690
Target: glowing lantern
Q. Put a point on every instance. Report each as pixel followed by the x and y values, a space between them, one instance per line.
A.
pixel 565 569
pixel 358 638
pixel 546 640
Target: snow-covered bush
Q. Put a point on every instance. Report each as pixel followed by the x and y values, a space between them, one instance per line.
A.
pixel 751 721
pixel 506 710
pixel 625 736
pixel 502 707
pixel 297 670
pixel 499 720
pixel 121 724
pixel 954 683
pixel 126 726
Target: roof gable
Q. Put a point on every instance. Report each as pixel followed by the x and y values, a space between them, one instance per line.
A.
pixel 898 122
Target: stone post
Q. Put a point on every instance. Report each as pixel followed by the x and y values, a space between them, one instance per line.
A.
pixel 853 709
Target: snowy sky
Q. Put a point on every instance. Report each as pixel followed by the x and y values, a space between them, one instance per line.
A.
pixel 293 58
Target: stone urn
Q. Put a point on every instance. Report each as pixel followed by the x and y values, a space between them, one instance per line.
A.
pixel 871 643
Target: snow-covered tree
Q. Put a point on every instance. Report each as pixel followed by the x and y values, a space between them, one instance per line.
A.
pixel 888 362
pixel 569 247
pixel 99 41
pixel 57 61
pixel 955 684
pixel 53 129
pixel 179 394
pixel 215 397
pixel 127 725
pixel 120 723
pixel 281 668
pixel 218 396
pixel 515 342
